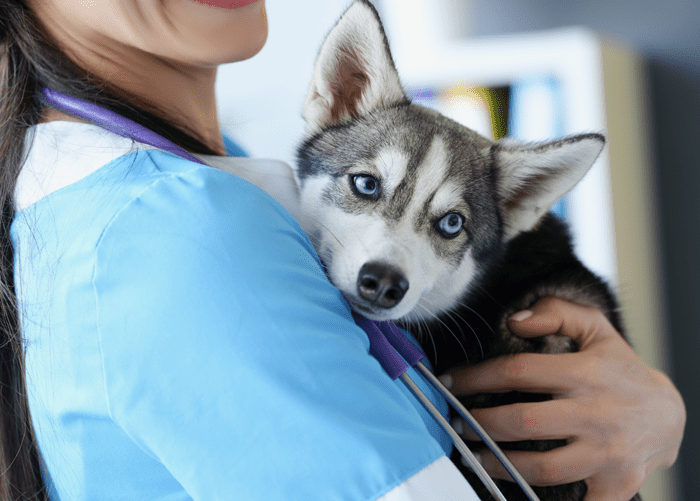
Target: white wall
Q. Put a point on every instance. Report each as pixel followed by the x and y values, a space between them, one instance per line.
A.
pixel 260 99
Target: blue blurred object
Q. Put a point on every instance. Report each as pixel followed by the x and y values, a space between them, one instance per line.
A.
pixel 537 114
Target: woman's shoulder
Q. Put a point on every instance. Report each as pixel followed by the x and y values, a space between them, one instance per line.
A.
pixel 165 195
pixel 80 166
pixel 202 223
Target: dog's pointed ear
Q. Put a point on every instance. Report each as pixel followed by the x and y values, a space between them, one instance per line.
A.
pixel 354 71
pixel 532 176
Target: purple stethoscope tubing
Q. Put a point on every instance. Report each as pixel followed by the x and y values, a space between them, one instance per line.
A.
pixel 394 351
pixel 112 121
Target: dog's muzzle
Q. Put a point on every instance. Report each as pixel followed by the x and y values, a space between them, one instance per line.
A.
pixel 381 284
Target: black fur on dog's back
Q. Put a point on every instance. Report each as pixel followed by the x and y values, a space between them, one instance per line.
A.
pixel 535 264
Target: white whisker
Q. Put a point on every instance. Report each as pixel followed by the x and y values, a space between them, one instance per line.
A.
pixel 438 319
pixel 460 303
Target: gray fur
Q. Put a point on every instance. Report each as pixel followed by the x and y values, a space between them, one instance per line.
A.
pixel 499 188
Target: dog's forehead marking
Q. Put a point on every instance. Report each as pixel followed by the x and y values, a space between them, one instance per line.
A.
pixel 392 164
pixel 449 196
pixel 430 177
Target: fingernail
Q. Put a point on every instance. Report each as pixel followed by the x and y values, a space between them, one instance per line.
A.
pixel 458 425
pixel 521 315
pixel 447 381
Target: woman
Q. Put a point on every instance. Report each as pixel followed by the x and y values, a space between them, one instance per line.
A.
pixel 181 338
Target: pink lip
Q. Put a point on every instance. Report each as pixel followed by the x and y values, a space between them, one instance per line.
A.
pixel 227 4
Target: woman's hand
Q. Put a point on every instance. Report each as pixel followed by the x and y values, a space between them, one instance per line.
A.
pixel 622 418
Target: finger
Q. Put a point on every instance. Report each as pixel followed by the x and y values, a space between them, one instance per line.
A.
pixel 465 430
pixel 617 488
pixel 550 420
pixel 530 372
pixel 563 465
pixel 583 324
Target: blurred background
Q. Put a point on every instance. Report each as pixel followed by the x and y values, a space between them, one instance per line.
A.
pixel 537 70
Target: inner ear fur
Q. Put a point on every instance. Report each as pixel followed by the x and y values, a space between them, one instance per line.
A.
pixel 347 85
pixel 533 176
pixel 354 72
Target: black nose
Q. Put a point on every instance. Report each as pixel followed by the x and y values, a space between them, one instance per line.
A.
pixel 381 284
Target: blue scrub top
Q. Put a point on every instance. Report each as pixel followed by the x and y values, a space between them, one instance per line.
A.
pixel 183 342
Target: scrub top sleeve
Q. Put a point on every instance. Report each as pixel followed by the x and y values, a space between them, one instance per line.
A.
pixel 230 358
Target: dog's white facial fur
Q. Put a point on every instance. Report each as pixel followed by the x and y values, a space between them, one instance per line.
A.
pixel 347 241
pixel 354 78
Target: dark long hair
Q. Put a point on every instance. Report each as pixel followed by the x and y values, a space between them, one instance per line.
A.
pixel 30 60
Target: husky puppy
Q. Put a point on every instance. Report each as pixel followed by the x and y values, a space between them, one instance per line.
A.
pixel 421 220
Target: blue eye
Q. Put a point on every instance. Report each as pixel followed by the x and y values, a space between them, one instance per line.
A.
pixel 451 225
pixel 366 185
